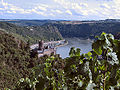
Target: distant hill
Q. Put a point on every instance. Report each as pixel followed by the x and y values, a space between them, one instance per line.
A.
pixel 25 22
pixel 87 30
pixel 28 22
pixel 32 33
pixel 81 29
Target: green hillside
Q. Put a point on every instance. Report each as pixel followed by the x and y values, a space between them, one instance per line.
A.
pixel 15 60
pixel 89 30
pixel 32 33
pixel 80 29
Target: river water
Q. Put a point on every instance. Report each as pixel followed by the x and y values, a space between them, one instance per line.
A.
pixel 84 45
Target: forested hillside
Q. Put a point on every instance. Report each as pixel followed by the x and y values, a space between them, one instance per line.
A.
pixel 15 60
pixel 33 34
pixel 80 29
pixel 88 30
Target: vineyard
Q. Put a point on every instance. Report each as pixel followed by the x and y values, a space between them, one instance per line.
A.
pixel 98 69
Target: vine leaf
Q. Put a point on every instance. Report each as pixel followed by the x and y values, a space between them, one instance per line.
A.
pixel 96 48
pixel 88 55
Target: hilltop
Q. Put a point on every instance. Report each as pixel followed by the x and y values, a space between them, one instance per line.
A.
pixel 32 33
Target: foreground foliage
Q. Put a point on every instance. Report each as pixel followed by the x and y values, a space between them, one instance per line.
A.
pixel 97 69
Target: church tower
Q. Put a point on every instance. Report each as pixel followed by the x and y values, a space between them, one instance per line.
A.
pixel 41 45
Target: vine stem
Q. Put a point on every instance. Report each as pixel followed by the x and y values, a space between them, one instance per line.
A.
pixel 105 72
pixel 105 77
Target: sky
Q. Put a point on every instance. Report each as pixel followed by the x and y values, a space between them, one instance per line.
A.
pixel 60 9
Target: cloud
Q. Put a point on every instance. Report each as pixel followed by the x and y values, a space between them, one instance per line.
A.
pixel 67 4
pixel 64 9
pixel 11 11
pixel 10 8
pixel 1 8
pixel 110 10
pixel 117 2
pixel 63 3
pixel 69 12
pixel 107 9
pixel 38 12
pixel 105 6
pixel 83 4
pixel 57 11
pixel 61 7
pixel 77 8
pixel 41 7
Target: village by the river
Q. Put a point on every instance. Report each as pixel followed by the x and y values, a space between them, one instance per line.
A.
pixel 47 48
pixel 61 47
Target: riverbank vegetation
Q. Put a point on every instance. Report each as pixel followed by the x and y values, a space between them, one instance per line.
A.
pixel 97 69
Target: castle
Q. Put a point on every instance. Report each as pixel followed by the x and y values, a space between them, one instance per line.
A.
pixel 45 49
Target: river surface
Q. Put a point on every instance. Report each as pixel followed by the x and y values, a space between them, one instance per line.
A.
pixel 84 45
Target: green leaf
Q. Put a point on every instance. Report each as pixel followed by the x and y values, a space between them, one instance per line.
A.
pixel 95 69
pixel 114 58
pixel 72 52
pixel 88 55
pixel 22 80
pixel 102 67
pixel 96 46
pixel 77 53
pixel 81 61
pixel 98 50
pixel 102 37
pixel 107 42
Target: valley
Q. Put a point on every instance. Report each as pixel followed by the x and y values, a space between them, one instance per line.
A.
pixel 24 67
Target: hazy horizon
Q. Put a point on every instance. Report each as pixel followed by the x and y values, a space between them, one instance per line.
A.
pixel 58 19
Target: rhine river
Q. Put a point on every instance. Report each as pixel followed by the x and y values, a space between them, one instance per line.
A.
pixel 84 45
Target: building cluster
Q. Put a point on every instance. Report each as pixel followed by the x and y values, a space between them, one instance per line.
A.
pixel 45 49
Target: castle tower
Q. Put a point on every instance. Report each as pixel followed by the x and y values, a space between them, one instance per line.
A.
pixel 41 45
